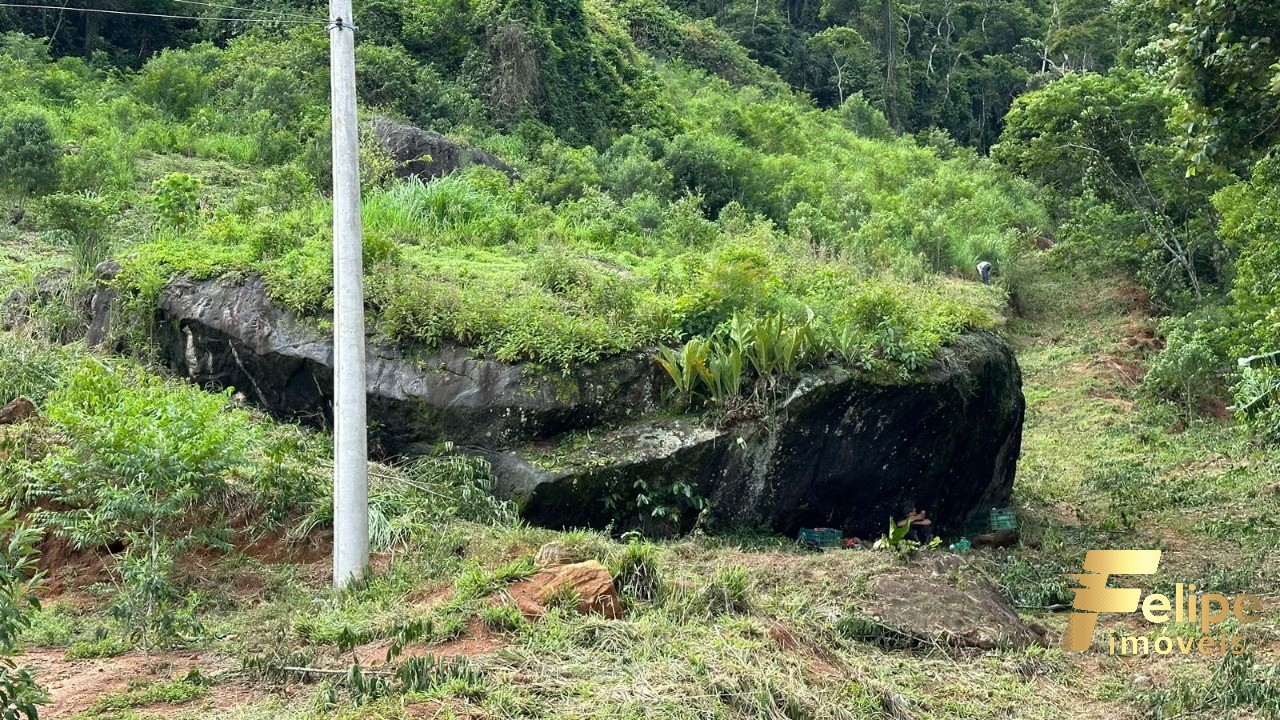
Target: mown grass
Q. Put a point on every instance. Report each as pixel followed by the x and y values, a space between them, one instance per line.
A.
pixel 748 627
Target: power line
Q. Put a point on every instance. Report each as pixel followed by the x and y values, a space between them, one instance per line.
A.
pixel 277 13
pixel 161 15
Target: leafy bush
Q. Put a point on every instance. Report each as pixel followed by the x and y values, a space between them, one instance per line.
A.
pixel 176 198
pixel 178 81
pixel 860 117
pixel 1257 401
pixel 18 690
pixel 29 368
pixel 139 457
pixel 1187 371
pixel 85 217
pixel 1251 227
pixel 29 155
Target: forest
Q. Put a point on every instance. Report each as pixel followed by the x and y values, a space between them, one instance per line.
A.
pixel 747 198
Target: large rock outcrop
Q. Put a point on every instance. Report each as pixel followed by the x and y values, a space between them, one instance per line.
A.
pixel 228 333
pixel 838 452
pixel 427 155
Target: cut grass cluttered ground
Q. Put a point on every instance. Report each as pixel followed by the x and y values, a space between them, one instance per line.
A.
pixel 749 627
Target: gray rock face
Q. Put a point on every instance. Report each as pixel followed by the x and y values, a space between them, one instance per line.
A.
pixel 227 333
pixel 100 303
pixel 427 155
pixel 840 452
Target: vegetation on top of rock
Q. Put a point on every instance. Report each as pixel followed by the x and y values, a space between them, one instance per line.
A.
pixel 746 200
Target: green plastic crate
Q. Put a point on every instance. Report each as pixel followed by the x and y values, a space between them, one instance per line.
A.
pixel 1003 519
pixel 821 537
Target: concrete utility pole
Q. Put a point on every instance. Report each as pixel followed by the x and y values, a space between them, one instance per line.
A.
pixel 350 447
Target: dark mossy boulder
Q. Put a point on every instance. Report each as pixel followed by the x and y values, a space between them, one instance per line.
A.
pixel 592 482
pixel 849 454
pixel 839 452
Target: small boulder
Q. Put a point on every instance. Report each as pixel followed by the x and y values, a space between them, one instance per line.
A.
pixel 427 155
pixel 590 581
pixel 941 599
pixel 557 553
pixel 17 411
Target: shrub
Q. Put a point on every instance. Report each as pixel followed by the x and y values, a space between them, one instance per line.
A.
pixel 140 456
pixel 1186 372
pixel 85 217
pixel 859 116
pixel 178 81
pixel 1257 401
pixel 176 198
pixel 29 368
pixel 18 690
pixel 715 167
pixel 100 166
pixel 29 155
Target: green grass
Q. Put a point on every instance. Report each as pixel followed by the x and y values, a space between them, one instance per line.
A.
pixel 752 202
pixel 749 626
pixel 171 692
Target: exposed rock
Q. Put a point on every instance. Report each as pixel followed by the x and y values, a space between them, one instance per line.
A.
pixel 590 581
pixel 227 333
pixel 939 599
pixel 556 553
pixel 573 491
pixel 840 452
pixel 17 411
pixel 427 155
pixel 100 303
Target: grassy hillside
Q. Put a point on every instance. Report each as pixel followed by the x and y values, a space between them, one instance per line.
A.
pixel 685 171
pixel 715 627
pixel 744 200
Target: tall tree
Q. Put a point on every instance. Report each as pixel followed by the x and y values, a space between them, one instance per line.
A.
pixel 1228 56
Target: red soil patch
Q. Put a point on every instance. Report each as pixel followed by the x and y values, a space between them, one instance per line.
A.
pixel 67 568
pixel 476 642
pixel 75 685
pixel 1142 339
pixel 274 548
